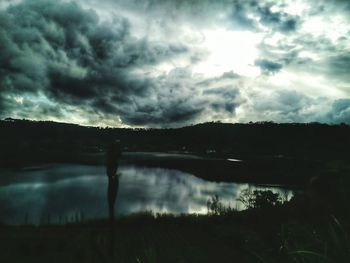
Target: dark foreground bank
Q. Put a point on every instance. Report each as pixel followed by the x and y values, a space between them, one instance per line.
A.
pixel 308 228
pixel 182 239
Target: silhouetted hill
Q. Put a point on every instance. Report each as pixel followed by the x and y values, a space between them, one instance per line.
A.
pixel 43 140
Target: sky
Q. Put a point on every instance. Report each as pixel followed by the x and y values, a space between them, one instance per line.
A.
pixel 168 63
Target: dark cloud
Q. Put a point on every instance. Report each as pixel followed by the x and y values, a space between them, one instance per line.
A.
pixel 336 5
pixel 285 106
pixel 293 106
pixel 292 101
pixel 64 52
pixel 172 99
pixel 229 75
pixel 279 21
pixel 239 15
pixel 242 14
pixel 179 113
pixel 268 66
pixel 340 111
pixel 227 99
pixel 338 65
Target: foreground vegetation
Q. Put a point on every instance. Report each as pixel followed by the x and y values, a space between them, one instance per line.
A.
pixel 311 227
pixel 144 238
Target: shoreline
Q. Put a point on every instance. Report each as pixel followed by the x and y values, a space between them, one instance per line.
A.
pixel 266 170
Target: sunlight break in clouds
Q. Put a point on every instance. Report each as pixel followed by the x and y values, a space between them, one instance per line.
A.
pixel 229 51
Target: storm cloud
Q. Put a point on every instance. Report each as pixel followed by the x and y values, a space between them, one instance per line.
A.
pixel 340 112
pixel 172 63
pixel 63 52
pixel 268 66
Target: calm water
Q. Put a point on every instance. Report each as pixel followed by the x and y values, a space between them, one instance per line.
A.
pixel 62 192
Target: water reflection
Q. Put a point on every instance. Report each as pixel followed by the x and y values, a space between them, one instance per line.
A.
pixel 63 192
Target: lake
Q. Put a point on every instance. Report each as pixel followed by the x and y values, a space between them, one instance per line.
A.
pixel 59 193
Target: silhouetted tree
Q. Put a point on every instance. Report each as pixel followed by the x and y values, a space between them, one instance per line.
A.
pixel 260 199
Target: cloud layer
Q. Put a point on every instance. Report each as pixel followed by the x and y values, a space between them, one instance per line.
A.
pixel 172 63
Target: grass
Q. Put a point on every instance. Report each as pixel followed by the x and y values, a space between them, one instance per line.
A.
pixel 147 237
pixel 164 240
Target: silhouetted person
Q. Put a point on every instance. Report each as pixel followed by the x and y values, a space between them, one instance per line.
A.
pixel 113 156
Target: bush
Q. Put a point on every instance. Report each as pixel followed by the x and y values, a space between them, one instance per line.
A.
pixel 260 199
pixel 215 207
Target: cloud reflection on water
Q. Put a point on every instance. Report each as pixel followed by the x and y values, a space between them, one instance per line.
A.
pixel 60 191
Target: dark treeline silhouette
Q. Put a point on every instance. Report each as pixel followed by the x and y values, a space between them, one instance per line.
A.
pixel 46 141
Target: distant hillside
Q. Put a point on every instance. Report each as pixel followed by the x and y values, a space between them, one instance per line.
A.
pixel 22 139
